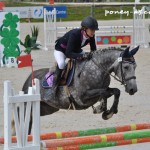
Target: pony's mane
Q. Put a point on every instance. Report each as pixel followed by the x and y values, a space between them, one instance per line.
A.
pixel 107 50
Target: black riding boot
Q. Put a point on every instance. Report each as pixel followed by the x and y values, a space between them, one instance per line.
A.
pixel 56 81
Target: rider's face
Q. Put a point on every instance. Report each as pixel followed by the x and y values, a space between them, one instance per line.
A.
pixel 90 32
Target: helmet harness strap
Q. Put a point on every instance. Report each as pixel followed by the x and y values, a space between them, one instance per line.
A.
pixel 86 32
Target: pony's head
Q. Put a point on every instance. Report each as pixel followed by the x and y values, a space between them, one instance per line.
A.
pixel 124 68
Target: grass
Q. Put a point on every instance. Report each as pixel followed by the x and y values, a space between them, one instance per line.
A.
pixel 77 13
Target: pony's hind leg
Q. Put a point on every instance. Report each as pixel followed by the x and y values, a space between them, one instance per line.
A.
pixel 45 109
pixel 13 128
pixel 101 107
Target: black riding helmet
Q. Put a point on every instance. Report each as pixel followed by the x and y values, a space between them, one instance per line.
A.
pixel 90 22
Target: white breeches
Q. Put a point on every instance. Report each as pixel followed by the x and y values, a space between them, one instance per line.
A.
pixel 60 58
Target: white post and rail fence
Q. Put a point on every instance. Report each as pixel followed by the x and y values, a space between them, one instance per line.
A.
pixel 107 35
pixel 27 104
pixel 87 139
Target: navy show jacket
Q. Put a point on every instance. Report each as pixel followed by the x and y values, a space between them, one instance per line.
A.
pixel 70 43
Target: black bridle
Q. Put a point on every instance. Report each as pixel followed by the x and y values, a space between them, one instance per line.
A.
pixel 126 60
pixel 124 80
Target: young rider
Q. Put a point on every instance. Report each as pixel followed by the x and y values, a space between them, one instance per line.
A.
pixel 69 46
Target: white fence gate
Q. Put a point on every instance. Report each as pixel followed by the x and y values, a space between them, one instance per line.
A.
pixel 11 104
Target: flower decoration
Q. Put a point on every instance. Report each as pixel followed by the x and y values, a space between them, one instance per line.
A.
pixel 9 37
pixel 8 52
pixel 10 20
pixel 9 34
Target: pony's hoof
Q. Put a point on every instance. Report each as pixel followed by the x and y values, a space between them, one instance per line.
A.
pixel 116 111
pixel 94 111
pixel 107 115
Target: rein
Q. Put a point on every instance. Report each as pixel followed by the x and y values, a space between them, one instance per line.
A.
pixel 123 78
pixel 100 66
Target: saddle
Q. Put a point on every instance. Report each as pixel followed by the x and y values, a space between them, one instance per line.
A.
pixel 66 76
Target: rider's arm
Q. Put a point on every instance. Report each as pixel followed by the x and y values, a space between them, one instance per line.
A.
pixel 93 44
pixel 71 44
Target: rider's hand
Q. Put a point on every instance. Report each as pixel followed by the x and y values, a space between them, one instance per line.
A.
pixel 79 58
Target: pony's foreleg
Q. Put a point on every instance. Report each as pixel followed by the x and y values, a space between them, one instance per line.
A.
pixel 92 93
pixel 114 109
pixel 105 94
pixel 101 94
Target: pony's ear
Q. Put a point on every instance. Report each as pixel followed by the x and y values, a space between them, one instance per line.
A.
pixel 125 52
pixel 133 51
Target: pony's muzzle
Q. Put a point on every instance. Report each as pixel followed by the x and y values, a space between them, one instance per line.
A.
pixel 131 89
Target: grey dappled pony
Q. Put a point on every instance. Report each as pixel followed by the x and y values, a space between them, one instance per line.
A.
pixel 91 82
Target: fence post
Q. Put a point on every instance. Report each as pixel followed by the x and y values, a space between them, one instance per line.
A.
pixel 50 28
pixel 139 27
pixel 7 115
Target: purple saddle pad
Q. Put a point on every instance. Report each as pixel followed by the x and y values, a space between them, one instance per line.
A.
pixel 48 80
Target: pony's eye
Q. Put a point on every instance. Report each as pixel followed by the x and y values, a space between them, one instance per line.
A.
pixel 126 67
